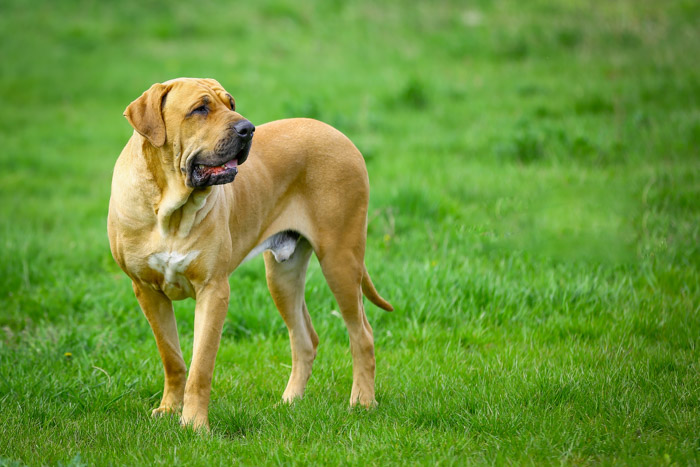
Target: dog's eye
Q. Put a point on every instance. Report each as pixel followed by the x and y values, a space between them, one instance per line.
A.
pixel 201 110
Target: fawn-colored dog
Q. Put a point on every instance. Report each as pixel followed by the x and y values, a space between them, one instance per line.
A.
pixel 179 225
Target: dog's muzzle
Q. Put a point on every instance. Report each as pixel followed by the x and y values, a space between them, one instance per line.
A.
pixel 221 166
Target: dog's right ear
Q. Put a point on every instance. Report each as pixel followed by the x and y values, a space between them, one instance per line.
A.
pixel 146 116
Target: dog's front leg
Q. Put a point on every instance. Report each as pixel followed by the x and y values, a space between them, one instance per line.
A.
pixel 209 315
pixel 159 312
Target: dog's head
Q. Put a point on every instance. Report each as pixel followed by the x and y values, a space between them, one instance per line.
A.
pixel 195 122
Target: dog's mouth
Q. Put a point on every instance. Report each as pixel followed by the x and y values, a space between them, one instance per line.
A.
pixel 220 173
pixel 217 174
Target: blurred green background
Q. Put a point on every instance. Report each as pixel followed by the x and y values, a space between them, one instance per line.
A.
pixel 534 219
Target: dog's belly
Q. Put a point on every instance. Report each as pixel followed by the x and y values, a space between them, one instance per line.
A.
pixel 172 265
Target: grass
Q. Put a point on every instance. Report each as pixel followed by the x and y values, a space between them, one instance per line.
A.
pixel 534 220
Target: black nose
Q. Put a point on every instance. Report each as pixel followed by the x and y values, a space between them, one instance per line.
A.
pixel 244 129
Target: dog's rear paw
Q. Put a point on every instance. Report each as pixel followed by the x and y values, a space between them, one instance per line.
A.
pixel 288 400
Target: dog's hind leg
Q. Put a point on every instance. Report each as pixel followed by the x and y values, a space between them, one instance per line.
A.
pixel 343 269
pixel 286 281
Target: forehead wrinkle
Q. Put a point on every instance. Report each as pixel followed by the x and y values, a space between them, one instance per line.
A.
pixel 209 88
pixel 218 91
pixel 202 99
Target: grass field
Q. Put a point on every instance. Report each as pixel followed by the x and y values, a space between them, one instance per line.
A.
pixel 535 221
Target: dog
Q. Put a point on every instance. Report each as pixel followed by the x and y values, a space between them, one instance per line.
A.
pixel 198 190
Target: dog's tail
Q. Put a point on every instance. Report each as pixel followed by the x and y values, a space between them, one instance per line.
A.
pixel 372 294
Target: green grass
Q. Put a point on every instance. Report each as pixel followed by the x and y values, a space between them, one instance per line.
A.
pixel 535 220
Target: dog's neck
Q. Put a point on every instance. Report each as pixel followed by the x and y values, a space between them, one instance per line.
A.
pixel 180 207
pixel 180 210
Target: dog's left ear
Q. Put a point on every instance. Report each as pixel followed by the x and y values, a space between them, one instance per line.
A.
pixel 146 116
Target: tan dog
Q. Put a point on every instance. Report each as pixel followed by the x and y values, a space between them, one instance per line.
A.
pixel 179 228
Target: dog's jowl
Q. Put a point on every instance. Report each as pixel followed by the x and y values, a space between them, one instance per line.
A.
pixel 198 189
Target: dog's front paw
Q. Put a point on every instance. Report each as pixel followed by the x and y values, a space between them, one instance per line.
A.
pixel 195 422
pixel 370 404
pixel 362 400
pixel 162 411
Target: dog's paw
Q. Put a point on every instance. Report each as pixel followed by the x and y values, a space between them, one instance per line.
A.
pixel 288 401
pixel 195 423
pixel 290 397
pixel 364 402
pixel 162 411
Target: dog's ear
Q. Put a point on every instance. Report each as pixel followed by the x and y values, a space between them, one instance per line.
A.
pixel 146 116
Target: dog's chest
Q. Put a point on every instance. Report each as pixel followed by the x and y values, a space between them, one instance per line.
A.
pixel 172 265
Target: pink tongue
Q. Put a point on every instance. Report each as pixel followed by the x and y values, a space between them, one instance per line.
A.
pixel 218 169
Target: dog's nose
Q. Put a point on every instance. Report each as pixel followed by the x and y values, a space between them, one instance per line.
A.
pixel 244 129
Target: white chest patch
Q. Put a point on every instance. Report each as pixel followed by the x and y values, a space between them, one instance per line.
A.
pixel 173 265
